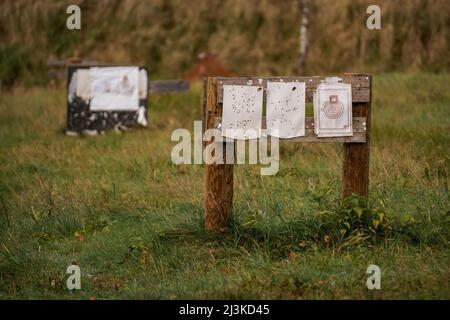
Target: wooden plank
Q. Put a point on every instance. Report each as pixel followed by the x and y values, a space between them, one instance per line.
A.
pixel 219 177
pixel 356 156
pixel 360 84
pixel 162 86
pixel 359 132
pixel 55 63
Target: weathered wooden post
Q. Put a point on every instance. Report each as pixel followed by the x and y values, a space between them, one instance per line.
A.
pixel 356 155
pixel 219 177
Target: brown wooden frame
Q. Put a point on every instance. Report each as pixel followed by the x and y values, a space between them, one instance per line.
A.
pixel 219 177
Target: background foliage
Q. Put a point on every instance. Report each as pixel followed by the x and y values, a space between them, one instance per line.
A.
pixel 251 37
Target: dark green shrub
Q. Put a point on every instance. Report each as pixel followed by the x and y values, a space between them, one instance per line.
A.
pixel 12 60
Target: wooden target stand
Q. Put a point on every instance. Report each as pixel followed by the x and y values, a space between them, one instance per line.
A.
pixel 219 177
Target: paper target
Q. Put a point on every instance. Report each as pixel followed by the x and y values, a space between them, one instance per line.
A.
pixel 286 109
pixel 242 112
pixel 333 108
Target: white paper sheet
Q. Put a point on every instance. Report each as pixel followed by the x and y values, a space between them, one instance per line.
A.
pixel 114 88
pixel 286 109
pixel 242 112
pixel 333 109
pixel 83 84
pixel 143 84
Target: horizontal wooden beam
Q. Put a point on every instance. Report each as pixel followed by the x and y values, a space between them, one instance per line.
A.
pixel 359 132
pixel 360 84
pixel 55 63
pixel 162 86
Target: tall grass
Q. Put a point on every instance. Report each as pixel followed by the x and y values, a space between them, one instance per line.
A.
pixel 115 205
pixel 251 37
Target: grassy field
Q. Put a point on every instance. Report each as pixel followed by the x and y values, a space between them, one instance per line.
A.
pixel 116 205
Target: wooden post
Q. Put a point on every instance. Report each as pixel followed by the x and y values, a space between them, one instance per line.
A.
pixel 356 155
pixel 219 177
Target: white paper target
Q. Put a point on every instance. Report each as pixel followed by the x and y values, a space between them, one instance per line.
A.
pixel 242 112
pixel 333 109
pixel 83 84
pixel 114 88
pixel 286 109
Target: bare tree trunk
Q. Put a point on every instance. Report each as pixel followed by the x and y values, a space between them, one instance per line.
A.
pixel 304 40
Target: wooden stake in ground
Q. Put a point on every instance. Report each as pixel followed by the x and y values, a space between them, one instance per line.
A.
pixel 219 177
pixel 356 155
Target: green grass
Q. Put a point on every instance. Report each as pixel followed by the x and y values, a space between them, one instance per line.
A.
pixel 133 221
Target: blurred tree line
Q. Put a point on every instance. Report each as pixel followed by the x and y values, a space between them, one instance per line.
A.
pixel 252 36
